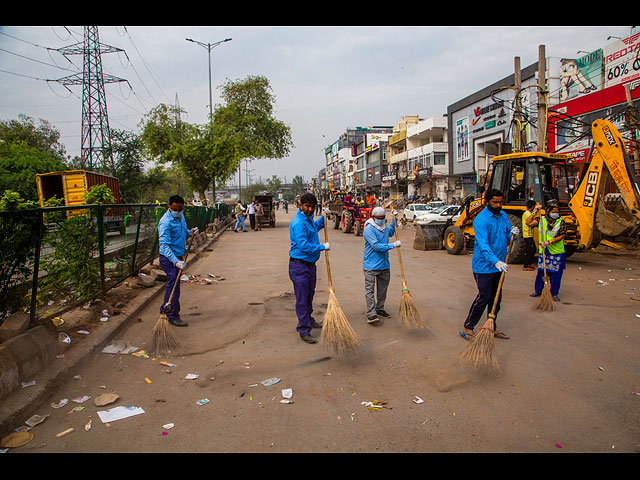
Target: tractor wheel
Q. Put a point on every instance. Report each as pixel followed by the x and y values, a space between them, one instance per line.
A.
pixel 336 220
pixel 453 240
pixel 347 221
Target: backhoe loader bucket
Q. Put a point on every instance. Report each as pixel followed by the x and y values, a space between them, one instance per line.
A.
pixel 429 237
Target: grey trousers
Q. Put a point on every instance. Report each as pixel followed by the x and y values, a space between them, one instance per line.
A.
pixel 375 279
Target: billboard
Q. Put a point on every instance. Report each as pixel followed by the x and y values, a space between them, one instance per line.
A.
pixel 579 76
pixel 622 60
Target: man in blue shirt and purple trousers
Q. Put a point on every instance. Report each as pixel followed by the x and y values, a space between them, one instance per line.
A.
pixel 492 231
pixel 172 238
pixel 303 254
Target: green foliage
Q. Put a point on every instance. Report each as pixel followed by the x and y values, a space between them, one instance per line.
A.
pixel 99 194
pixel 19 233
pixel 72 269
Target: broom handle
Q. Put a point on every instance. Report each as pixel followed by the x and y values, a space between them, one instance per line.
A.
pixel 168 304
pixel 326 253
pixel 395 229
pixel 495 300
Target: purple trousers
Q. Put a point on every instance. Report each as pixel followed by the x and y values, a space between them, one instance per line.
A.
pixel 173 275
pixel 303 277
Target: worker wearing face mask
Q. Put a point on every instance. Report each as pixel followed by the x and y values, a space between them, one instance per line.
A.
pixel 376 263
pixel 551 232
pixel 172 237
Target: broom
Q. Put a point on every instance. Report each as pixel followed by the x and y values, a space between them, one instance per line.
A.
pixel 545 302
pixel 163 338
pixel 481 348
pixel 336 330
pixel 407 311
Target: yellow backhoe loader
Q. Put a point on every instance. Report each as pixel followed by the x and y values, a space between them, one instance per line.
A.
pixel 591 216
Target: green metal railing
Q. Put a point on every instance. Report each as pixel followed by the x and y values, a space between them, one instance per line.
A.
pixel 53 259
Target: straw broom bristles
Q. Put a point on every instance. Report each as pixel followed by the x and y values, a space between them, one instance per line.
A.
pixel 336 330
pixel 163 339
pixel 407 311
pixel 481 349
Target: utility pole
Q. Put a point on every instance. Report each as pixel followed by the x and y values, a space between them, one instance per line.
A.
pixel 542 99
pixel 96 138
pixel 518 106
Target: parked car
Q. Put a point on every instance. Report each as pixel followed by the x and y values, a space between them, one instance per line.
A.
pixel 413 210
pixel 435 204
pixel 438 215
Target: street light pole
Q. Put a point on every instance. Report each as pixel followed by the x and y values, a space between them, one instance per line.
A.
pixel 209 47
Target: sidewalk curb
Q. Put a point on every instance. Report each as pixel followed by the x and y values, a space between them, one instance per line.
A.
pixel 20 404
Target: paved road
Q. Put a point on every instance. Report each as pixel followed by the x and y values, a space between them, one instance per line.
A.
pixel 566 382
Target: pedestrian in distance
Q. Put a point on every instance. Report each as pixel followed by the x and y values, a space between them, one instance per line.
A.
pixel 304 252
pixel 551 231
pixel 240 213
pixel 286 207
pixel 251 211
pixel 172 238
pixel 527 235
pixel 259 214
pixel 492 233
pixel 375 263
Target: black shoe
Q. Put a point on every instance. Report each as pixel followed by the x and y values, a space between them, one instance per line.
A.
pixel 178 323
pixel 315 324
pixel 556 298
pixel 383 314
pixel 373 319
pixel 307 338
pixel 535 294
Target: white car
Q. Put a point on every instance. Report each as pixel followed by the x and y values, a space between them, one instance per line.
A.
pixel 438 215
pixel 415 209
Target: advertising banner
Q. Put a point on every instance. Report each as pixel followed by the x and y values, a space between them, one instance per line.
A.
pixel 581 75
pixel 622 60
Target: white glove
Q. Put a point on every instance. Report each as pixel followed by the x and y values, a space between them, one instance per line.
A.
pixel 181 264
pixel 327 211
pixel 397 243
pixel 326 246
pixel 515 231
pixel 194 231
pixel 503 267
pixel 394 212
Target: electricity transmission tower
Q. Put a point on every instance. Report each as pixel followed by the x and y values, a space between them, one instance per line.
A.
pixel 96 139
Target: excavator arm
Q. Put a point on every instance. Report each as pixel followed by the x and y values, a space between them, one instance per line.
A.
pixel 587 203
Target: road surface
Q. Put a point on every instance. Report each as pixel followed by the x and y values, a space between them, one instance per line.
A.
pixel 566 385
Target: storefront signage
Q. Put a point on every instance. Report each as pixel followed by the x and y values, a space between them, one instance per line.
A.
pixel 622 60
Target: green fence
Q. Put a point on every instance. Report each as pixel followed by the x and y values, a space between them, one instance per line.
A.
pixel 53 259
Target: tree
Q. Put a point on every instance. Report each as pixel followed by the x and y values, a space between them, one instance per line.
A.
pixel 125 162
pixel 244 126
pixel 43 137
pixel 273 184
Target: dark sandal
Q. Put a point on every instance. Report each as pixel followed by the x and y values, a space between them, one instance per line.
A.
pixel 501 335
pixel 466 336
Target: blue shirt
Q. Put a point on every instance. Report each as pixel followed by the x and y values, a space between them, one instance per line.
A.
pixel 303 233
pixel 492 233
pixel 376 247
pixel 172 236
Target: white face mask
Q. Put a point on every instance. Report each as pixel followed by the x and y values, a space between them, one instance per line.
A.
pixel 379 221
pixel 554 215
pixel 176 214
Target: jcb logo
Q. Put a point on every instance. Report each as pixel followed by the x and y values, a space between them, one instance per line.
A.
pixel 590 192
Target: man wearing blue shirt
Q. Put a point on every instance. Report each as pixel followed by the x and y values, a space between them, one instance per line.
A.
pixel 376 263
pixel 172 237
pixel 303 254
pixel 492 231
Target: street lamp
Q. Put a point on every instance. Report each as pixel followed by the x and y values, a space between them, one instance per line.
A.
pixel 209 47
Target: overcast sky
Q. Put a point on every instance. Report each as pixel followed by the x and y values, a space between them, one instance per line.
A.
pixel 324 79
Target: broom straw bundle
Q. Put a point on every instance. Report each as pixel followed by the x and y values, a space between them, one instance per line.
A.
pixel 336 330
pixel 407 312
pixel 163 339
pixel 481 350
